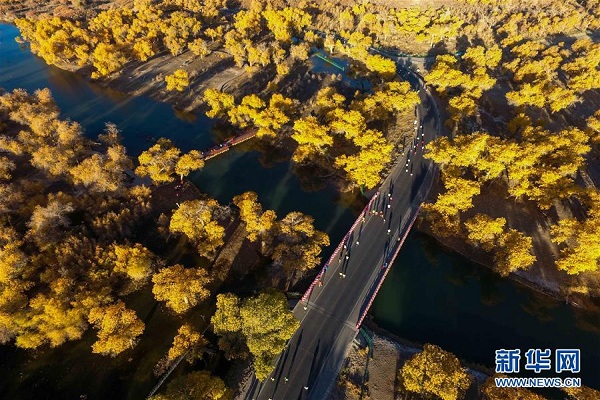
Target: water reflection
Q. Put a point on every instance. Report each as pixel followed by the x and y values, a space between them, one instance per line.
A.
pixel 539 307
pixel 472 312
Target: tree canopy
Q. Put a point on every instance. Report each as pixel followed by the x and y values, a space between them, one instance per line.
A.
pixel 181 288
pixel 264 321
pixel 435 372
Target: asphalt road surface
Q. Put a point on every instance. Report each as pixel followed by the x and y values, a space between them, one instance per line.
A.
pixel 308 367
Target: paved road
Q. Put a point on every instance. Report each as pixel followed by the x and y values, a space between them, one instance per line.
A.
pixel 309 365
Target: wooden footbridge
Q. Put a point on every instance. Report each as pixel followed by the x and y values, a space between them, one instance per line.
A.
pixel 228 144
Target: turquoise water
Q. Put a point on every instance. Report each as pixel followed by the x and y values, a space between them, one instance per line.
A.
pixel 429 295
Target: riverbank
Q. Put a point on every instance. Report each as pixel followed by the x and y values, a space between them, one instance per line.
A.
pixel 379 370
pixel 582 291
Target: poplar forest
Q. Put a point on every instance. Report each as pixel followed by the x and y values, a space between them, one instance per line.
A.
pixel 86 226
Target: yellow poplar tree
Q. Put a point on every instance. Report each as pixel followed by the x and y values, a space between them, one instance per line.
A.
pixel 186 339
pixel 435 372
pixel 199 47
pixel 194 219
pixel 50 320
pixel 178 80
pixel 118 328
pixel 181 288
pixel 107 58
pixel 484 230
pixel 159 161
pixel 259 224
pixel 593 127
pixel 264 321
pixel 135 261
pixel 514 252
pixel 220 103
pixel 189 162
pixel 299 243
pixel 196 385
pixel 493 392
pixel 312 138
pixel 581 252
pixel 384 67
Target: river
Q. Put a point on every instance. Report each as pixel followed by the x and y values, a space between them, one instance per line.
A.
pixel 429 295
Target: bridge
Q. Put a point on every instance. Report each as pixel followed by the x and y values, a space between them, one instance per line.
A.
pixel 336 303
pixel 228 144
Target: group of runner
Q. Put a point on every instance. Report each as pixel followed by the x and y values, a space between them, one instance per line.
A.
pixel 414 145
pixel 380 207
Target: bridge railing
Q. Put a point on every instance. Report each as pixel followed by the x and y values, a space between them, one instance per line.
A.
pixel 415 207
pixel 225 146
pixel 319 276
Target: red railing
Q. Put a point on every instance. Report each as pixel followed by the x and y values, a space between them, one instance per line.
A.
pixel 387 269
pixel 363 214
pixel 229 143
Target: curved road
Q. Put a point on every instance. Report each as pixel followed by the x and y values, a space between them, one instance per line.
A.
pixel 309 365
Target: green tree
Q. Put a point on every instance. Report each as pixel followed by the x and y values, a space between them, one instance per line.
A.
pixel 265 321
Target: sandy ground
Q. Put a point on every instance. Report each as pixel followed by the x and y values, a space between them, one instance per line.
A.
pixel 214 71
pixel 381 381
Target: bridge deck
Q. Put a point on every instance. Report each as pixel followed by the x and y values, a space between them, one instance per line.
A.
pixel 341 294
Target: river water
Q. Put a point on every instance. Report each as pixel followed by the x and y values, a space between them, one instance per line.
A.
pixel 430 295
